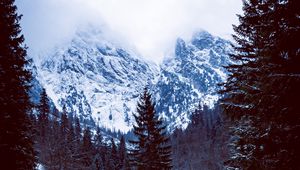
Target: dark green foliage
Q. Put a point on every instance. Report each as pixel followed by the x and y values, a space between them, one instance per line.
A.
pixel 151 149
pixel 16 146
pixel 100 150
pixel 65 142
pixel 42 127
pixel 77 130
pixel 114 160
pixel 262 91
pixel 64 124
pixel 87 149
pixel 123 156
pixel 64 147
pixel 43 116
pixel 202 143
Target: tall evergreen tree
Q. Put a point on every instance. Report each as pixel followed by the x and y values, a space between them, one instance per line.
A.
pixel 64 134
pixel 77 130
pixel 64 125
pixel 98 139
pixel 16 146
pixel 87 149
pixel 263 87
pixel 100 150
pixel 114 159
pixel 123 156
pixel 51 155
pixel 43 128
pixel 43 117
pixel 151 149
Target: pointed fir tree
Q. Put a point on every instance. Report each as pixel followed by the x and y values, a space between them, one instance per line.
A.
pixel 65 156
pixel 261 91
pixel 123 156
pixel 16 145
pixel 64 124
pixel 151 147
pixel 43 128
pixel 100 150
pixel 98 139
pixel 77 130
pixel 114 159
pixel 87 149
pixel 52 158
pixel 43 117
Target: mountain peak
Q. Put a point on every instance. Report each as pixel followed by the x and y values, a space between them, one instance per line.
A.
pixel 202 35
pixel 203 40
pixel 95 78
pixel 180 48
pixel 101 81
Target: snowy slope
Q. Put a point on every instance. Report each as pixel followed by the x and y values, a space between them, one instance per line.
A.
pixel 190 77
pixel 101 81
pixel 95 79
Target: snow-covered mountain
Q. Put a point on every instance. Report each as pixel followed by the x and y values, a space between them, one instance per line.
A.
pixel 190 77
pixel 96 79
pixel 101 81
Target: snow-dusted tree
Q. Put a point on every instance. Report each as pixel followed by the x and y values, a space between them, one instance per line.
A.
pixel 151 149
pixel 16 146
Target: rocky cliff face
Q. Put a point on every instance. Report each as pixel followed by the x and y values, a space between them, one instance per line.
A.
pixel 96 79
pixel 101 81
pixel 190 77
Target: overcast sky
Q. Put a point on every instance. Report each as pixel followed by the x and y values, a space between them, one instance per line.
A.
pixel 151 26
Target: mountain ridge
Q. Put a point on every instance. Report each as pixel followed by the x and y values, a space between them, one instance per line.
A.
pixel 101 81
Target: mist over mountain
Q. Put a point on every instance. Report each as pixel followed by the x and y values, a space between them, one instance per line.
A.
pixel 100 81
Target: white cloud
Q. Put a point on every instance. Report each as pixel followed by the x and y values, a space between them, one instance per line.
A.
pixel 152 26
